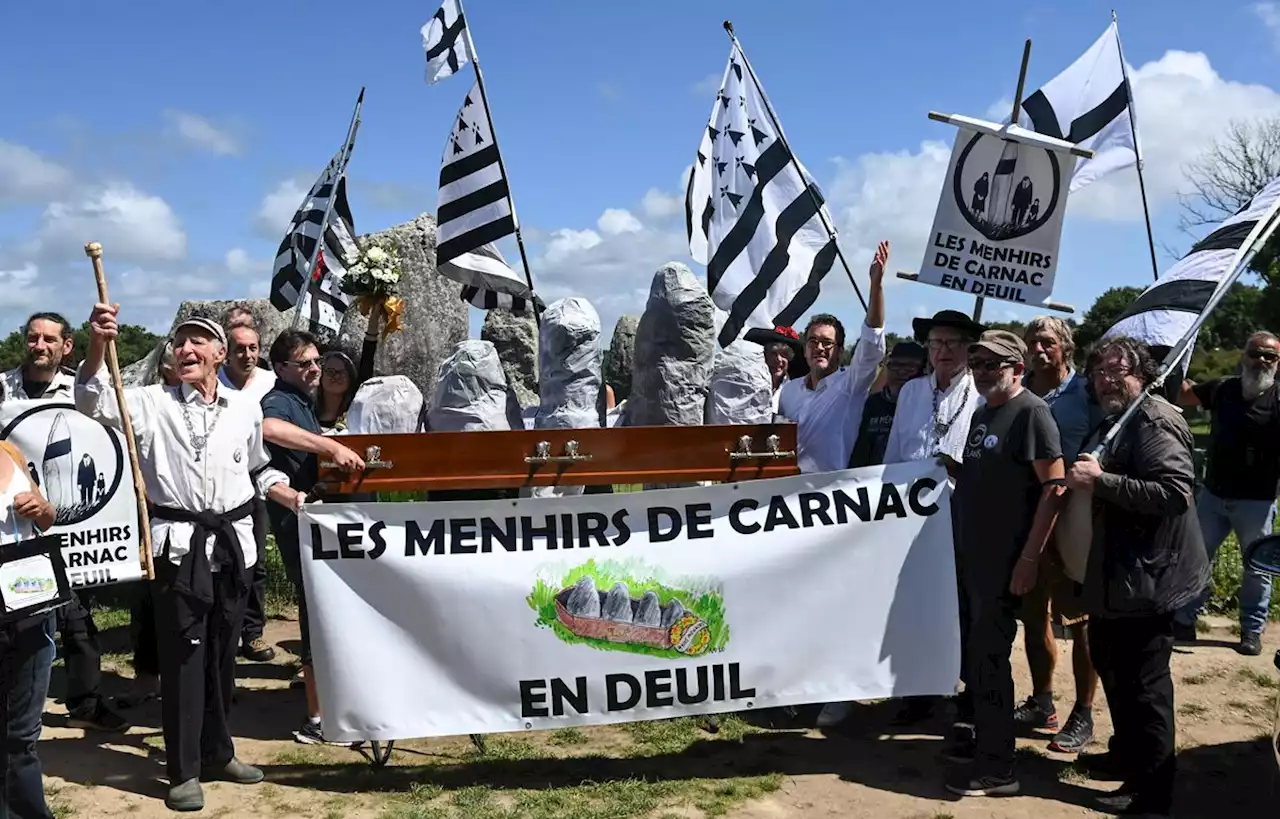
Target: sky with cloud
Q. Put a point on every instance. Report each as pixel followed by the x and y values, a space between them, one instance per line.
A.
pixel 183 136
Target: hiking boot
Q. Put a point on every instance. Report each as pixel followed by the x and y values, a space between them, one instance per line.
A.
pixel 96 716
pixel 1035 716
pixel 1076 734
pixel 1184 632
pixel 963 747
pixel 963 783
pixel 1250 644
pixel 234 771
pixel 834 713
pixel 258 650
pixel 188 796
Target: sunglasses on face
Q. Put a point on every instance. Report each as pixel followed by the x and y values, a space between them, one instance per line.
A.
pixel 1263 355
pixel 988 365
pixel 304 365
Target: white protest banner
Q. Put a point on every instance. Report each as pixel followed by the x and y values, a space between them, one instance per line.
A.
pixel 82 467
pixel 999 219
pixel 472 617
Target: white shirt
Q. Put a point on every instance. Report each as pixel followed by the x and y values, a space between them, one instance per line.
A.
pixel 223 477
pixel 260 382
pixel 60 388
pixel 12 527
pixel 913 436
pixel 829 414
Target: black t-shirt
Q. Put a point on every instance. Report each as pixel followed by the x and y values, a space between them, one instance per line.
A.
pixel 1244 440
pixel 997 490
pixel 35 389
pixel 302 468
pixel 873 434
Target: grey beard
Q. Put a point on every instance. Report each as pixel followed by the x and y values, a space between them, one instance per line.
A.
pixel 1255 382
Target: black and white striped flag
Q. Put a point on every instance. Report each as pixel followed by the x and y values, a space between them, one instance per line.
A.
pixel 486 264
pixel 446 41
pixel 1091 105
pixel 753 214
pixel 1167 310
pixel 474 207
pixel 315 289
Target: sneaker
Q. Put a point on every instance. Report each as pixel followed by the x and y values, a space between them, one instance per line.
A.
pixel 1184 632
pixel 312 734
pixel 297 682
pixel 1250 644
pixel 1075 735
pixel 258 650
pixel 963 748
pixel 97 717
pixel 962 783
pixel 1034 716
pixel 834 713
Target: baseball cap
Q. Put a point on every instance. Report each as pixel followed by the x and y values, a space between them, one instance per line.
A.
pixel 1003 343
pixel 207 325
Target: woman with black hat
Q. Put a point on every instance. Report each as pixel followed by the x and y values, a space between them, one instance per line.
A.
pixel 783 355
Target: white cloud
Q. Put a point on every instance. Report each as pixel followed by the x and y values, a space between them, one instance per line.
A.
pixel 659 206
pixel 1269 14
pixel 202 134
pixel 618 220
pixel 278 207
pixel 566 242
pixel 26 177
pixel 131 225
pixel 239 263
pixel 707 86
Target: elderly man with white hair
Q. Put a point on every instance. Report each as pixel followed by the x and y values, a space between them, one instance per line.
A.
pixel 202 460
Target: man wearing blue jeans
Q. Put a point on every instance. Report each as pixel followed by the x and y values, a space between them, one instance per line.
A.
pixel 26 660
pixel 1242 477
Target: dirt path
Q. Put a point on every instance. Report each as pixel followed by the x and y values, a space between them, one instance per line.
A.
pixel 671 769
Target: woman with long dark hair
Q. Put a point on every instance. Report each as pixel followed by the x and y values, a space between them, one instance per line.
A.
pixel 338 385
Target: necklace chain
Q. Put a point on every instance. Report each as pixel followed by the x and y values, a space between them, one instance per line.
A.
pixel 940 427
pixel 199 443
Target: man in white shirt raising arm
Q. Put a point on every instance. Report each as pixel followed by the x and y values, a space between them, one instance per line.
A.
pixel 202 460
pixel 827 403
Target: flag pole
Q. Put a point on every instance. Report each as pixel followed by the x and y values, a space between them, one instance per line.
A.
pixel 1261 235
pixel 795 163
pixel 502 168
pixel 328 208
pixel 1137 151
pixel 979 301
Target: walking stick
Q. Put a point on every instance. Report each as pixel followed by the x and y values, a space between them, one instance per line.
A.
pixel 94 251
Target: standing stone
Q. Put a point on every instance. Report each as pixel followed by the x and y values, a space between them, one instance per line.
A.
pixel 620 359
pixel 516 340
pixel 675 346
pixel 741 390
pixel 434 320
pixel 471 393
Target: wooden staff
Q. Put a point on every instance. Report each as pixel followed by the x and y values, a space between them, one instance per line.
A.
pixel 94 251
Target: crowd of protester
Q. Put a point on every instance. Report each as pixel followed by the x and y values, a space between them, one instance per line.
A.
pixel 1008 415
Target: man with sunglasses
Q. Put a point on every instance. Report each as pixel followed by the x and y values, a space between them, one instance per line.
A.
pixel 294 441
pixel 1242 477
pixel 1008 491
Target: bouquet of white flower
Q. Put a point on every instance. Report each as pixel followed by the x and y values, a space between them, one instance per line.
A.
pixel 374 280
pixel 375 273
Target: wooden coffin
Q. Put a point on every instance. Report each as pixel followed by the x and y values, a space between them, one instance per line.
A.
pixel 566 457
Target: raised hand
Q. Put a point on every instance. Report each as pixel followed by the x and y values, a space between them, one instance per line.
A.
pixel 102 322
pixel 877 264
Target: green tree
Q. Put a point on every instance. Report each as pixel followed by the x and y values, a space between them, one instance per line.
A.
pixel 1104 312
pixel 133 344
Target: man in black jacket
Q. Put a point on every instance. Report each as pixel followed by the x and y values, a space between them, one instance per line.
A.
pixel 1147 560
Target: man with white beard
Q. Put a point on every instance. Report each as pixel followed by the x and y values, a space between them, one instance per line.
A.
pixel 1242 478
pixel 1008 492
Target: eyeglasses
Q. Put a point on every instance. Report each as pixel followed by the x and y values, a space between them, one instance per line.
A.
pixel 1112 374
pixel 821 343
pixel 1263 355
pixel 333 373
pixel 304 365
pixel 989 365
pixel 937 344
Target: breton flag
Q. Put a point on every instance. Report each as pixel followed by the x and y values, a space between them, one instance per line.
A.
pixel 474 206
pixel 486 264
pixel 1167 311
pixel 1091 105
pixel 446 42
pixel 753 213
pixel 314 288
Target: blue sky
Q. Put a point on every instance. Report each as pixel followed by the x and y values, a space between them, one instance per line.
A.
pixel 183 136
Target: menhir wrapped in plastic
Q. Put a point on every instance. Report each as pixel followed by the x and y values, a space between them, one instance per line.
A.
pixel 472 393
pixel 568 374
pixel 387 404
pixel 741 391
pixel 675 345
pixel 569 366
